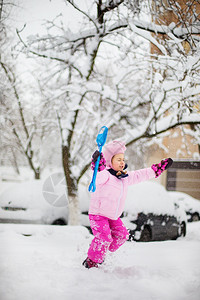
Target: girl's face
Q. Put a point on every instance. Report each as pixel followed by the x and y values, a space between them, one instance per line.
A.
pixel 118 163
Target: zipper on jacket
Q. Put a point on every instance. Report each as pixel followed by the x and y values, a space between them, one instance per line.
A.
pixel 118 203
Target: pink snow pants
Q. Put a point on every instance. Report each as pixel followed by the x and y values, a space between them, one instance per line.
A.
pixel 108 235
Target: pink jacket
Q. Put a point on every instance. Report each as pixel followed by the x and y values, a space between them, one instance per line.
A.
pixel 109 198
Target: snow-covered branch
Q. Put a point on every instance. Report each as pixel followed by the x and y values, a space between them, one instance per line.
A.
pixel 164 125
pixel 105 73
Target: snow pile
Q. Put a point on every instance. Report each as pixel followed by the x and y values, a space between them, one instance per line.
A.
pixel 151 197
pixel 23 194
pixel 45 262
pixel 147 197
pixel 25 202
pixel 188 202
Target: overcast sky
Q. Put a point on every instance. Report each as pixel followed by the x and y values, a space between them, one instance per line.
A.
pixel 34 12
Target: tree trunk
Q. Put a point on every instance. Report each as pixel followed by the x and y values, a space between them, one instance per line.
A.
pixel 74 210
pixel 37 173
pixel 1 8
pixel 14 162
pixel 72 189
pixel 35 170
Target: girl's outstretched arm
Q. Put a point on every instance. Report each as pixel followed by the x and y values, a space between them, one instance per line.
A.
pixel 149 173
pixel 140 175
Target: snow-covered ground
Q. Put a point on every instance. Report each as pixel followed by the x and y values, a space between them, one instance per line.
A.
pixel 43 262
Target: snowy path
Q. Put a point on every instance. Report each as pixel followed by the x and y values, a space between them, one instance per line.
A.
pixel 47 265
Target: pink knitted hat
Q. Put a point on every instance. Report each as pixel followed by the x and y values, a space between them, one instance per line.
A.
pixel 111 149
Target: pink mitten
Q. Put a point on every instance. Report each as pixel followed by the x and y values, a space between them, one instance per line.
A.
pixel 162 166
pixel 102 162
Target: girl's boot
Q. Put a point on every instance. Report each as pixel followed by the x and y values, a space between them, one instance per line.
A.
pixel 88 263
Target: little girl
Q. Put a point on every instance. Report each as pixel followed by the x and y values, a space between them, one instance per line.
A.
pixel 107 202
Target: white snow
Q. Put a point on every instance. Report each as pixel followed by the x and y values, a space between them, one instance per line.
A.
pixel 44 262
pixel 152 197
pixel 29 197
pixel 189 203
pixel 43 202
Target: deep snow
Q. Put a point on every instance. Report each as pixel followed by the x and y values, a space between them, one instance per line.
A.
pixel 44 262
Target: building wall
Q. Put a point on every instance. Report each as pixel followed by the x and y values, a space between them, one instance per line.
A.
pixel 166 17
pixel 180 149
pixel 178 146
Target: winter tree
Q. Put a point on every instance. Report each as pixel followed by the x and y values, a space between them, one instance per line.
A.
pixel 25 123
pixel 103 72
pixel 5 39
